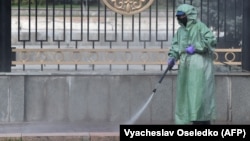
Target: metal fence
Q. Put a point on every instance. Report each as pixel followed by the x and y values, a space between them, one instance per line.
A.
pixel 88 35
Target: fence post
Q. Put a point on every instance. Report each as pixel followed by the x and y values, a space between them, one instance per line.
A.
pixel 246 36
pixel 5 35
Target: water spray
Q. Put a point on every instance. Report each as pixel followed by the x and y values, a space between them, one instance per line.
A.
pixel 137 115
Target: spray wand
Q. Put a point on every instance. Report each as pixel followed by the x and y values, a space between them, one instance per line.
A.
pixel 159 82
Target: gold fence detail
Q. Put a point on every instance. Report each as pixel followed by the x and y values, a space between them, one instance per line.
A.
pixel 128 7
pixel 107 56
pixel 229 56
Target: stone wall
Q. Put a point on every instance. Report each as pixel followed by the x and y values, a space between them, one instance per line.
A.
pixel 109 97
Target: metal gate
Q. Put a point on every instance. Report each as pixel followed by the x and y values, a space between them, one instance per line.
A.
pixel 91 35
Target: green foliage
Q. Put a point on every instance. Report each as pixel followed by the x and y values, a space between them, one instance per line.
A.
pixel 11 139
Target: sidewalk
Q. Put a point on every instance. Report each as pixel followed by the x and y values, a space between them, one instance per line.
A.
pixel 62 131
pixel 59 132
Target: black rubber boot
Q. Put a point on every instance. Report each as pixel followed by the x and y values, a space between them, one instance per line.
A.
pixel 206 122
pixel 201 122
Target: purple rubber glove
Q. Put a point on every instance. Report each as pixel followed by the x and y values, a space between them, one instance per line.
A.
pixel 171 62
pixel 190 49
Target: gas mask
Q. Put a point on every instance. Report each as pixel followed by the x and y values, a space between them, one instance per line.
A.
pixel 182 19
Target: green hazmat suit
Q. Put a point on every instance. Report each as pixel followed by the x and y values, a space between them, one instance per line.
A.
pixel 195 80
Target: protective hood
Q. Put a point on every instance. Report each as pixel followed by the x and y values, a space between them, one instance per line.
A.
pixel 190 11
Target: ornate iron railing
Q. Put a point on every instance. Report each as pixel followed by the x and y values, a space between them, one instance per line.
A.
pixel 93 34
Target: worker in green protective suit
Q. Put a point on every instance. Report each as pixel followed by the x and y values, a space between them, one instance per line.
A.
pixel 193 46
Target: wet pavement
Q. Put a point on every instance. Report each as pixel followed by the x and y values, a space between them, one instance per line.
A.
pixel 57 127
pixel 76 127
